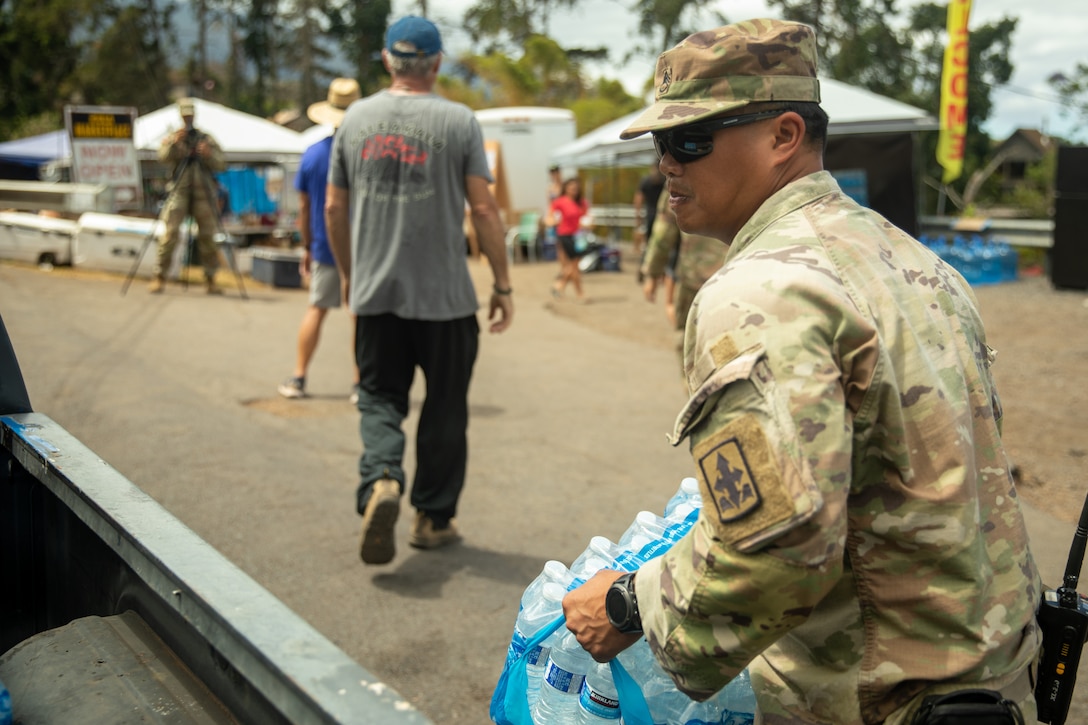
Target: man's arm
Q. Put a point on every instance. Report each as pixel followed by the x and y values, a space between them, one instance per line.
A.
pixel 304 230
pixel 338 229
pixel 211 153
pixel 490 235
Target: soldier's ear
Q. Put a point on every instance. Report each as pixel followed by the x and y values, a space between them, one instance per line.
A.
pixel 789 134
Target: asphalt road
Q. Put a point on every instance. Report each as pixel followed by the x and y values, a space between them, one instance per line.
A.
pixel 567 441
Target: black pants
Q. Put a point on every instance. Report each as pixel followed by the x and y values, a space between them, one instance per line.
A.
pixel 387 350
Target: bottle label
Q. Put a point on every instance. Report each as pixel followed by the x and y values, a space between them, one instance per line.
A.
pixel 561 680
pixel 538 656
pixel 598 705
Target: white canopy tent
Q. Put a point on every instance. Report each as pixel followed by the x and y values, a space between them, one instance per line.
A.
pixel 852 110
pixel 243 137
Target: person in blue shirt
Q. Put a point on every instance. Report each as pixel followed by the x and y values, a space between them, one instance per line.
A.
pixel 318 264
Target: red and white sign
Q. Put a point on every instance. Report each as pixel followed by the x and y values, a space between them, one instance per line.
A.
pixel 104 152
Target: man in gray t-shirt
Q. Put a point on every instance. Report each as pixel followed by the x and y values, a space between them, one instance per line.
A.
pixel 403 166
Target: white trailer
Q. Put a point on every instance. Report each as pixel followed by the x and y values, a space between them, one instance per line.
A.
pixel 526 136
pixel 36 238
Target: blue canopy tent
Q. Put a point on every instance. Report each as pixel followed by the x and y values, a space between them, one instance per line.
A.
pixel 22 158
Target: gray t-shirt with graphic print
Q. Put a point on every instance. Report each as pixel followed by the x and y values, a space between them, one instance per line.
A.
pixel 404 160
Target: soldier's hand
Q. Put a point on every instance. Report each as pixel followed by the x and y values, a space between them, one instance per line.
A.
pixel 587 619
pixel 649 287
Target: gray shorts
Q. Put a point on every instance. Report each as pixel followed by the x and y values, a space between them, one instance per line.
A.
pixel 324 285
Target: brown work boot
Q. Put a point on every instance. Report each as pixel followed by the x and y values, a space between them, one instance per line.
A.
pixel 425 536
pixel 376 541
pixel 212 287
pixel 157 284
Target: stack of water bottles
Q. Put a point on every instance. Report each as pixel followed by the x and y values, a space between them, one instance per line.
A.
pixel 980 261
pixel 565 686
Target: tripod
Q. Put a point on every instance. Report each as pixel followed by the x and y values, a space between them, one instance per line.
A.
pixel 220 237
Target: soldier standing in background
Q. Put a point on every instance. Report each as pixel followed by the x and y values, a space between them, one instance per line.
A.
pixel 194 156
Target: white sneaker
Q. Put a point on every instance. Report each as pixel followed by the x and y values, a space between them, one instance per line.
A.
pixel 293 388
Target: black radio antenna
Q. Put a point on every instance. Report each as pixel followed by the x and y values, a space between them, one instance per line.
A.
pixel 1067 593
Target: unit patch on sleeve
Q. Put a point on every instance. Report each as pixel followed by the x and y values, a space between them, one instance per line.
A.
pixel 729 481
pixel 742 480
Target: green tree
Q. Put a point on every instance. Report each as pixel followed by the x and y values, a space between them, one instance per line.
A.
pixel 307 23
pixel 359 28
pixel 1073 89
pixel 124 65
pixel 260 47
pixel 507 24
pixel 661 22
pixel 38 53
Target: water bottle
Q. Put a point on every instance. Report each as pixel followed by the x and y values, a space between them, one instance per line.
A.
pixel 598 555
pixel 665 703
pixel 530 621
pixel 599 701
pixel 686 495
pixel 1009 262
pixel 643 540
pixel 555 572
pixel 564 675
pixel 6 716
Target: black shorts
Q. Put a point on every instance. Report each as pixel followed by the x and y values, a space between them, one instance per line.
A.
pixel 567 242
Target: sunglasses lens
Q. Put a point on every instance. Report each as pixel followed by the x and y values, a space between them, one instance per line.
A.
pixel 684 144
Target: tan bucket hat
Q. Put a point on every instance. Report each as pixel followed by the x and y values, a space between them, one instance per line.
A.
pixel 718 70
pixel 342 93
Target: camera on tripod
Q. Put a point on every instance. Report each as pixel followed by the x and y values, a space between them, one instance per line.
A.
pixel 1063 619
pixel 192 138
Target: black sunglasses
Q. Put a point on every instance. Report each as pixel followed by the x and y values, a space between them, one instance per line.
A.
pixel 696 140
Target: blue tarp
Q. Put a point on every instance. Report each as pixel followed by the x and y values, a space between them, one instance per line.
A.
pixel 247 191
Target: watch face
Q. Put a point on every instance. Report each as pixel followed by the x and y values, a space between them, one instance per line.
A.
pixel 617 607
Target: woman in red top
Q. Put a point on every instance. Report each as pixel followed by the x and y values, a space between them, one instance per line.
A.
pixel 566 214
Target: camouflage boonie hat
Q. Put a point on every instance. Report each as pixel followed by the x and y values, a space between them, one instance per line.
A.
pixel 729 67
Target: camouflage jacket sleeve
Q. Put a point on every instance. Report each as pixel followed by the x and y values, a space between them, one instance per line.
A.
pixel 664 238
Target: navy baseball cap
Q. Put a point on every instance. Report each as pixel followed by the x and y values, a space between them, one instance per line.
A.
pixel 413 37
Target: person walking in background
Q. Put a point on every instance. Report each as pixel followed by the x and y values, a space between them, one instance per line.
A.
pixel 645 205
pixel 193 156
pixel 696 257
pixel 861 545
pixel 318 264
pixel 404 163
pixel 567 215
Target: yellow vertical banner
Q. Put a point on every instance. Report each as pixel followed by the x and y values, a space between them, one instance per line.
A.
pixel 951 142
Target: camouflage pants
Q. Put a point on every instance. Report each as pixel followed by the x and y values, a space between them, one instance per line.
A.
pixel 177 208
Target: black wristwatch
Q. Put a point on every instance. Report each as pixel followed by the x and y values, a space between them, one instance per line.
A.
pixel 622 606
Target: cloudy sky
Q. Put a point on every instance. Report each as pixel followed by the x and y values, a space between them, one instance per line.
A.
pixel 1050 37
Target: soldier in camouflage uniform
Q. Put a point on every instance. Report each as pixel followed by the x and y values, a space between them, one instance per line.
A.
pixel 194 156
pixel 698 258
pixel 861 543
